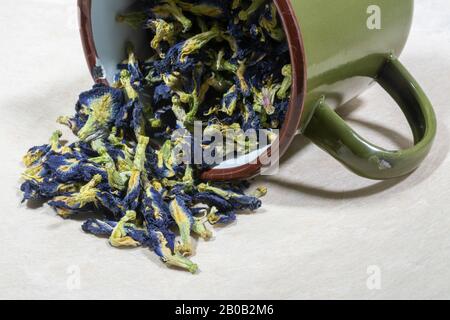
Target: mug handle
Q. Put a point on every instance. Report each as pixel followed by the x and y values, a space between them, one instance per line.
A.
pixel 331 133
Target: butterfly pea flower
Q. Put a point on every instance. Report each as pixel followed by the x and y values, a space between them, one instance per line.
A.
pixel 104 104
pixel 238 201
pixel 199 228
pixel 178 109
pixel 183 152
pixel 106 228
pixel 254 6
pixel 80 151
pixel 287 82
pixel 250 119
pixel 221 64
pixel 159 186
pixel 183 218
pixel 139 235
pixel 208 8
pixel 71 169
pixel 172 80
pixel 260 192
pixel 223 128
pixel 125 160
pixel 151 165
pixel 54 140
pixel 45 188
pixel 116 179
pixel 113 203
pixel 140 153
pixel 39 153
pixel 213 200
pixel 188 178
pixel 245 143
pixel 35 154
pixel 132 65
pixel 30 190
pixel 41 184
pixel 194 100
pixel 200 210
pixel 264 100
pixel 167 8
pixel 138 120
pixel 66 205
pixel 152 75
pixel 230 100
pixel 119 236
pixel 128 162
pixel 212 111
pixel 123 117
pixel 71 123
pixel 164 32
pixel 162 92
pixel 179 190
pixel 77 121
pixel 240 74
pixel 155 211
pixel 269 23
pixel 125 82
pixel 219 83
pixel 114 152
pixel 168 256
pixel 198 41
pixel 35 173
pixel 133 105
pixel 98 227
pixel 99 147
pixel 203 90
pixel 165 160
pixel 262 73
pixel 280 114
pixel 131 199
pixel 216 217
pixel 224 65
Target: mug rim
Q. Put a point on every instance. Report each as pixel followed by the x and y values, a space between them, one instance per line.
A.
pixel 291 124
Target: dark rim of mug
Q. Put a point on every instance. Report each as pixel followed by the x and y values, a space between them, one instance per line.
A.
pixel 298 91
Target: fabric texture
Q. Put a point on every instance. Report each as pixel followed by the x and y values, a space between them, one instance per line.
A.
pixel 322 232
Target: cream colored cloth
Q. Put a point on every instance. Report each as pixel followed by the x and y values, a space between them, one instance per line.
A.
pixel 322 232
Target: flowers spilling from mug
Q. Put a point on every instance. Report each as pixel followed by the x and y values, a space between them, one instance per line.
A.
pixel 215 66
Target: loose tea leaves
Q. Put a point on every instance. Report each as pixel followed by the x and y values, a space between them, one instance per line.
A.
pixel 224 64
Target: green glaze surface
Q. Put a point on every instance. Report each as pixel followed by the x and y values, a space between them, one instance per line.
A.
pixel 344 57
pixel 342 54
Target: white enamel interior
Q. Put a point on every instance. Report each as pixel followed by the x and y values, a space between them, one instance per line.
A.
pixel 110 38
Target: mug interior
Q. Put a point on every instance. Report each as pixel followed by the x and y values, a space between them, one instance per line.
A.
pixel 104 42
pixel 110 36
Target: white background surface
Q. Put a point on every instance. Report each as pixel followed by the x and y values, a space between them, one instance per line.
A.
pixel 319 231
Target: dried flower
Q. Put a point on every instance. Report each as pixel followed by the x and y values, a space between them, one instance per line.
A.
pixel 224 63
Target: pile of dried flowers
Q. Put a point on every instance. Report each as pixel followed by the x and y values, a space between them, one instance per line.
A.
pixel 224 63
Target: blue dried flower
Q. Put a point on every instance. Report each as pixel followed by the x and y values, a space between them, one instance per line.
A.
pixel 102 105
pixel 99 227
pixel 225 63
pixel 183 218
pixel 164 249
pixel 238 201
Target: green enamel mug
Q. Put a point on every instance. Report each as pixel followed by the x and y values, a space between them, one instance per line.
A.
pixel 338 49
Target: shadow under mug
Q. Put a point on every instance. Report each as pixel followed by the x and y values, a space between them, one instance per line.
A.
pixel 338 49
